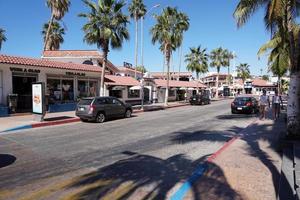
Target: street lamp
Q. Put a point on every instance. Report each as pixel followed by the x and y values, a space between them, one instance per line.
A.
pixel 142 34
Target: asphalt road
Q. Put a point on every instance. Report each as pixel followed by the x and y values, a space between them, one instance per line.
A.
pixel 175 140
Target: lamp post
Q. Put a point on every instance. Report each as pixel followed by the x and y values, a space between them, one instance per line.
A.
pixel 142 34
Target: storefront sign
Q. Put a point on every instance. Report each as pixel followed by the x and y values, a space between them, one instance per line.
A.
pixel 38 98
pixel 75 74
pixel 24 70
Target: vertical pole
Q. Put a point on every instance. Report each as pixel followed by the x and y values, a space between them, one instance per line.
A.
pixel 142 42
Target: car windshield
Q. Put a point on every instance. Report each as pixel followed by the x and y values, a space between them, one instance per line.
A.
pixel 85 101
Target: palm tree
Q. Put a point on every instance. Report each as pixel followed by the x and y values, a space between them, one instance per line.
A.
pixel 285 13
pixel 228 55
pixel 168 31
pixel 2 37
pixel 58 10
pixel 243 71
pixel 218 60
pixel 197 60
pixel 137 10
pixel 55 35
pixel 106 27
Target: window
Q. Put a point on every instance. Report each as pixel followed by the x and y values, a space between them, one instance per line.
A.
pixel 54 90
pixel 67 90
pixel 115 93
pixel 172 93
pixel 101 101
pixel 133 93
pixel 60 90
pixel 83 88
pixel 93 88
pixel 116 102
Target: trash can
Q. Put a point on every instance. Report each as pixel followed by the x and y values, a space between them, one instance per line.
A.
pixel 12 101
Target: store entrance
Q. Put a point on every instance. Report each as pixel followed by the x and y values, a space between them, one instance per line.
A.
pixel 22 85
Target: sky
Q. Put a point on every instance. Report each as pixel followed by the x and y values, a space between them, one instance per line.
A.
pixel 211 25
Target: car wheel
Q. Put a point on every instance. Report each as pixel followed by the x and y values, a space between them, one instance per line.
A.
pixel 128 113
pixel 232 111
pixel 100 118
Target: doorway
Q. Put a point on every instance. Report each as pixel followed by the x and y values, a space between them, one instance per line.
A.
pixel 22 85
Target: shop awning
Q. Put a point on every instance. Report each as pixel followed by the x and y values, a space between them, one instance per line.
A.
pixel 137 87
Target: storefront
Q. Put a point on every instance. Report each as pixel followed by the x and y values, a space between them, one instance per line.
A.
pixel 65 82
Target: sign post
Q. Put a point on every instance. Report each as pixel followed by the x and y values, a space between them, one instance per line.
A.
pixel 38 100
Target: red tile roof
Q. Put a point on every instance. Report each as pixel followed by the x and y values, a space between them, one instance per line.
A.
pixel 172 83
pixel 261 83
pixel 120 80
pixel 126 69
pixel 72 53
pixel 46 63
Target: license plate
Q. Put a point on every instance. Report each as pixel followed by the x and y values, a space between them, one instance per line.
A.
pixel 239 108
pixel 194 99
pixel 81 109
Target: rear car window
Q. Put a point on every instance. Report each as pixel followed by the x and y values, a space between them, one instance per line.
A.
pixel 243 99
pixel 85 101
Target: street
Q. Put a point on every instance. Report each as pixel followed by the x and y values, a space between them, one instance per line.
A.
pixel 155 150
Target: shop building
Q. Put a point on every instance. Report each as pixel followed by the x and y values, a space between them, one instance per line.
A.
pixel 65 82
pixel 179 76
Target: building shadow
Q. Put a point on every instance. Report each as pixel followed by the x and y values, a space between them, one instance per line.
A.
pixel 6 160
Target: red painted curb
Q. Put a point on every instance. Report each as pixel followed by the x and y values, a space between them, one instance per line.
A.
pixel 42 124
pixel 227 144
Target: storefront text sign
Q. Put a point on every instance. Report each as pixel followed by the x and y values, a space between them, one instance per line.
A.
pixel 75 74
pixel 24 70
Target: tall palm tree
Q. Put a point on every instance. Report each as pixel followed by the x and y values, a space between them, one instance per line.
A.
pixel 2 37
pixel 168 31
pixel 137 10
pixel 218 60
pixel 243 71
pixel 228 56
pixel 55 35
pixel 58 10
pixel 106 27
pixel 197 60
pixel 285 11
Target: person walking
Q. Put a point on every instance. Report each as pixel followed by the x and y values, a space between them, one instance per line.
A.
pixel 263 103
pixel 276 100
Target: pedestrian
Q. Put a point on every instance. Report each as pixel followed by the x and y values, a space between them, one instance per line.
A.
pixel 276 100
pixel 263 103
pixel 185 96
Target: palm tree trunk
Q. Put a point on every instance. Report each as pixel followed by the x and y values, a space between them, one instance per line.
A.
pixel 168 75
pixel 136 46
pixel 293 107
pixel 217 91
pixel 105 52
pixel 46 46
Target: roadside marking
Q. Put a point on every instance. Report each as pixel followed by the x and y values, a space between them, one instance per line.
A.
pixel 187 185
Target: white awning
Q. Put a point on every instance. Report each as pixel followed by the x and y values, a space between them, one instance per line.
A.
pixel 137 87
pixel 182 88
pixel 191 88
pixel 118 88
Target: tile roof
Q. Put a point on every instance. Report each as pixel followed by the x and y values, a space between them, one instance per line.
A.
pixel 121 80
pixel 126 69
pixel 72 53
pixel 48 64
pixel 261 83
pixel 172 83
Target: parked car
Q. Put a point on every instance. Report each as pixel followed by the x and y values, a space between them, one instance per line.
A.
pixel 244 104
pixel 199 99
pixel 101 108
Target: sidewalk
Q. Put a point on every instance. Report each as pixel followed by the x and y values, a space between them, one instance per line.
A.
pixel 249 168
pixel 26 121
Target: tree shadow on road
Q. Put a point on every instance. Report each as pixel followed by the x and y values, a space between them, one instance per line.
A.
pixel 145 177
pixel 6 160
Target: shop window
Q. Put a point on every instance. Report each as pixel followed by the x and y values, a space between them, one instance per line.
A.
pixel 67 90
pixel 93 88
pixel 133 93
pixel 116 93
pixel 172 93
pixel 54 90
pixel 83 89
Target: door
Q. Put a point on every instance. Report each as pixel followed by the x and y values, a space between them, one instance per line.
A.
pixel 22 85
pixel 117 107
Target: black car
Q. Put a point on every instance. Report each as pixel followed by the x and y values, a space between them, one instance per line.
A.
pixel 100 108
pixel 199 99
pixel 244 104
